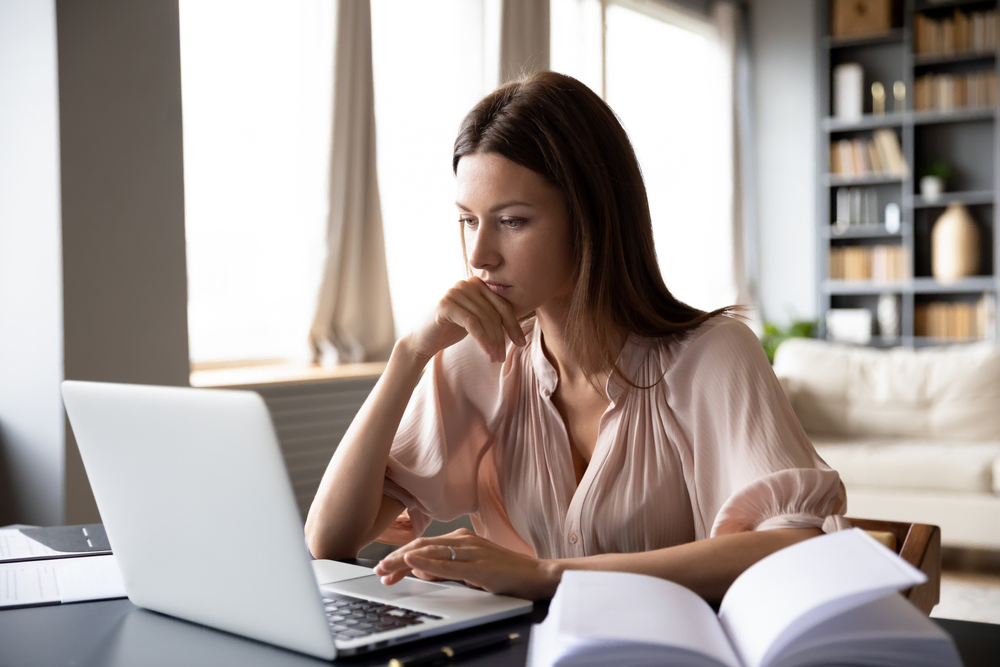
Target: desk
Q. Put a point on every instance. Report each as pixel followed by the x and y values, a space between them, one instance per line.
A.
pixel 117 633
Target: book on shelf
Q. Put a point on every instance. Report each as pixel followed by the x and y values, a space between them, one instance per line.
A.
pixel 963 32
pixel 961 320
pixel 883 263
pixel 948 92
pixel 857 157
pixel 829 600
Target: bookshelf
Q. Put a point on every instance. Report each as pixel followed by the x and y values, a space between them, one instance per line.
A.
pixel 967 137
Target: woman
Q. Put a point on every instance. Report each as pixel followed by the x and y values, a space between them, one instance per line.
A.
pixel 572 406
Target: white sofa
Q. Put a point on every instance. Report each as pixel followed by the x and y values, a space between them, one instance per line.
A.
pixel 914 434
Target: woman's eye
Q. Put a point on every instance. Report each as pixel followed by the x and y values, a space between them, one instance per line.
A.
pixel 468 222
pixel 512 222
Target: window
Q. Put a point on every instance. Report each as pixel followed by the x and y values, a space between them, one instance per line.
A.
pixel 665 77
pixel 257 81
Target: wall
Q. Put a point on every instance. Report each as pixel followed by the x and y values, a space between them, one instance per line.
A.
pixel 31 426
pixel 124 262
pixel 785 94
pixel 96 163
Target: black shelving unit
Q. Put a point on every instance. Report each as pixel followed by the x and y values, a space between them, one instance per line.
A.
pixel 967 138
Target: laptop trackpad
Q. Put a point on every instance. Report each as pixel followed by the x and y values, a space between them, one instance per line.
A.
pixel 374 588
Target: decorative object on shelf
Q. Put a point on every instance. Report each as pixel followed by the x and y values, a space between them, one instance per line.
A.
pixel 954 244
pixel 892 218
pixel 934 180
pixel 878 98
pixel 849 325
pixel 887 313
pixel 775 335
pixel 931 188
pixel 899 95
pixel 860 17
pixel 848 84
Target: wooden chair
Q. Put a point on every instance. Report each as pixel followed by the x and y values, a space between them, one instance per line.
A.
pixel 919 544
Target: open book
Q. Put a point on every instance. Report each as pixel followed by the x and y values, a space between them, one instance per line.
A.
pixel 830 600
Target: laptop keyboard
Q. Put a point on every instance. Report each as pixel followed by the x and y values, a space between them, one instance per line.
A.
pixel 351 618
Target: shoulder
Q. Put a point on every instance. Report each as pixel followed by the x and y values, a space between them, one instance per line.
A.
pixel 721 344
pixel 718 334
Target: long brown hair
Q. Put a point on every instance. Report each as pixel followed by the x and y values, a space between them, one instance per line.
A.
pixel 557 127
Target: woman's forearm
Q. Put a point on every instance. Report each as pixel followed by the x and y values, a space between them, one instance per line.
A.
pixel 708 567
pixel 349 510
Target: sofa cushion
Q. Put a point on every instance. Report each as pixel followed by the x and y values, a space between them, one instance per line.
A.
pixel 926 465
pixel 949 393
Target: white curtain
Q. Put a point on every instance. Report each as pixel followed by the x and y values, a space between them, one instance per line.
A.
pixel 353 319
pixel 524 38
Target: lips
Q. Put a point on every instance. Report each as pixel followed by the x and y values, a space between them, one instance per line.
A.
pixel 497 288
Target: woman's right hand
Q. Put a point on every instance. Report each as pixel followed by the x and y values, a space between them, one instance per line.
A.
pixel 468 308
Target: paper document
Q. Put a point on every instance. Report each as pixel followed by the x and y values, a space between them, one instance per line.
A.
pixel 31 583
pixel 30 542
pixel 15 545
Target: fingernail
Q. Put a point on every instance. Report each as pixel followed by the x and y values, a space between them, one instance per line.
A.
pixel 385 580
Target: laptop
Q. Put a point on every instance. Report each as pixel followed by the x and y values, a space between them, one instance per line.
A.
pixel 202 519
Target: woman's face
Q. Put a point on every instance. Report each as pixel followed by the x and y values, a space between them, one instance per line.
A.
pixel 517 232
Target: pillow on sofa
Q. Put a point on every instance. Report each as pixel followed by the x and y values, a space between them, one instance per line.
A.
pixel 938 393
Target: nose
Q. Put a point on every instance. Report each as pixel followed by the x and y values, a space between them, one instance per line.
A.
pixel 480 244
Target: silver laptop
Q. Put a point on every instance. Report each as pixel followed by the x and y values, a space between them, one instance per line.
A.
pixel 201 517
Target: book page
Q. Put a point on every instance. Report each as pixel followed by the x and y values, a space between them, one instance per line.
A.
pixel 887 626
pixel 796 588
pixel 610 607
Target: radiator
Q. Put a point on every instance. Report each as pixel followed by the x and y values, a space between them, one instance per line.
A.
pixel 310 419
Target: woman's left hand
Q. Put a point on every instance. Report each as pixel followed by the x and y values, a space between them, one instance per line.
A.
pixel 477 562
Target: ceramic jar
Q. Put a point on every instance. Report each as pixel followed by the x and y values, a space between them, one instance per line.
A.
pixel 954 244
pixel 931 188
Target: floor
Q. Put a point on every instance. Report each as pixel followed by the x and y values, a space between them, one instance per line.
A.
pixel 970 586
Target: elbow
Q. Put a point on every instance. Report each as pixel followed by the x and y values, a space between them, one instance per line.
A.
pixel 324 547
pixel 313 541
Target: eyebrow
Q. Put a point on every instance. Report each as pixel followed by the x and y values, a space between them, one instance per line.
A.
pixel 494 209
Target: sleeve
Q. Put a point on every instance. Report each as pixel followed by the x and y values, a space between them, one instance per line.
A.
pixel 752 467
pixel 436 452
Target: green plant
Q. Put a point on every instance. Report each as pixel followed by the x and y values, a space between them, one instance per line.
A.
pixel 775 335
pixel 939 168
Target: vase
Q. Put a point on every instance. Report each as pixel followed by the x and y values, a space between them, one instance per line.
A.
pixel 887 314
pixel 954 244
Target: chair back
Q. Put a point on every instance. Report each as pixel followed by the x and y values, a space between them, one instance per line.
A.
pixel 919 544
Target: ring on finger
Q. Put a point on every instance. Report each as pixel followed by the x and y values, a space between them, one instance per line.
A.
pixel 454 555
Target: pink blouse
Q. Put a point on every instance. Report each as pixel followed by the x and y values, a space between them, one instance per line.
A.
pixel 713 448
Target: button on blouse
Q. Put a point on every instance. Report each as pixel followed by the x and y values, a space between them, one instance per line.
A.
pixel 712 447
